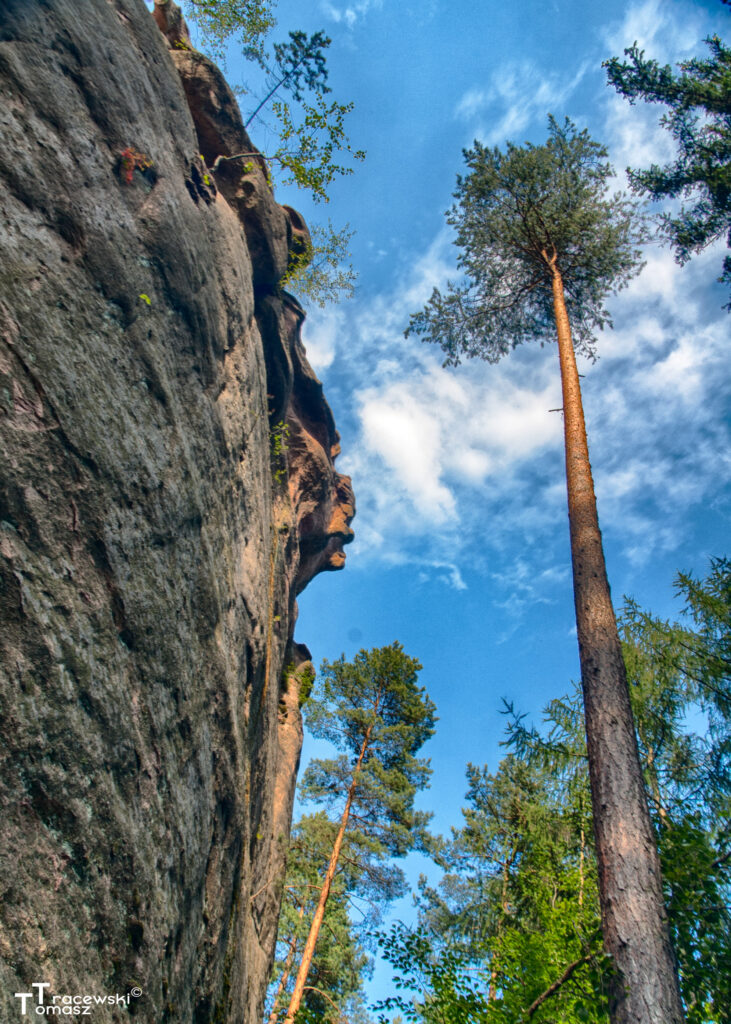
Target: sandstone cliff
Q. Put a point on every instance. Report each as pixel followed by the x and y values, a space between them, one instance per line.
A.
pixel 167 489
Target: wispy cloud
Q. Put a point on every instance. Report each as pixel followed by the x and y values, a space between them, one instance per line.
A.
pixel 349 13
pixel 322 329
pixel 454 469
pixel 517 95
pixel 669 31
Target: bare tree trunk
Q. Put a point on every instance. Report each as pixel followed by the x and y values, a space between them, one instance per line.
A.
pixel 308 951
pixel 494 972
pixel 285 972
pixel 645 987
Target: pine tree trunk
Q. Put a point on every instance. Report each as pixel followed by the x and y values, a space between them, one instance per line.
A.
pixel 645 986
pixel 308 951
pixel 286 971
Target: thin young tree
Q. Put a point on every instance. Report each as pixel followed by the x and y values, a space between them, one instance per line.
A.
pixel 363 887
pixel 311 138
pixel 542 244
pixel 373 710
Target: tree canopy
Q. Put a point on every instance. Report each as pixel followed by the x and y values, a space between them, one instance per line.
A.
pixel 373 700
pixel 515 212
pixel 699 119
pixel 374 712
pixel 511 931
pixel 248 22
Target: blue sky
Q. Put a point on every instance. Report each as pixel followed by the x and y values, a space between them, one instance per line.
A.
pixel 461 548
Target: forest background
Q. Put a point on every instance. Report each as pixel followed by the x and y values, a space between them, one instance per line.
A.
pixel 461 548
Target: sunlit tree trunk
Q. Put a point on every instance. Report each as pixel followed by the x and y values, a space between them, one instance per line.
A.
pixel 308 951
pixel 495 970
pixel 286 971
pixel 645 987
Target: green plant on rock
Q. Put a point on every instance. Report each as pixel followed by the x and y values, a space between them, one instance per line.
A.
pixel 247 22
pixel 313 148
pixel 278 437
pixel 320 272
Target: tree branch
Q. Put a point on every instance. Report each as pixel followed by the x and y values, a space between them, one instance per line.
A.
pixel 311 988
pixel 557 984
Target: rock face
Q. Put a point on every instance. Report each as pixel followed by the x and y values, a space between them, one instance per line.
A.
pixel 167 489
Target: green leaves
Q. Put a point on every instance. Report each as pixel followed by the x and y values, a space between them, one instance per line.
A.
pixel 301 63
pixel 248 21
pixel 375 713
pixel 699 119
pixel 321 273
pixel 517 213
pixel 308 146
pixel 313 148
pixel 337 972
pixel 680 673
pixel 512 931
pixel 376 700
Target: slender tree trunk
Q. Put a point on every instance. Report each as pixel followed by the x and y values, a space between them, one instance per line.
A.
pixel 645 986
pixel 286 971
pixel 494 972
pixel 655 787
pixel 581 867
pixel 308 951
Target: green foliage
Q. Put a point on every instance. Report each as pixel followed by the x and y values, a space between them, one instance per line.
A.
pixel 373 702
pixel 308 146
pixel 248 22
pixel 374 712
pixel 680 671
pixel 299 64
pixel 341 963
pixel 448 991
pixel 516 908
pixel 699 119
pixel 312 138
pixel 306 682
pixel 512 931
pixel 278 437
pixel 516 212
pixel 308 142
pixel 320 273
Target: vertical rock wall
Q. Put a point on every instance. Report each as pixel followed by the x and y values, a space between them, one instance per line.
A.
pixel 154 532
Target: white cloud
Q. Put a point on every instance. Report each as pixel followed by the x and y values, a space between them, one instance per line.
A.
pixel 517 95
pixel 399 429
pixel 633 135
pixel 348 14
pixel 454 468
pixel 669 32
pixel 320 334
pixel 666 30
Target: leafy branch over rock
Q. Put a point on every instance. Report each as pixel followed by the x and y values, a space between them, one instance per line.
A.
pixel 313 148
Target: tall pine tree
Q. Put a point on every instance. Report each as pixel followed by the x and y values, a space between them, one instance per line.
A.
pixel 542 244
